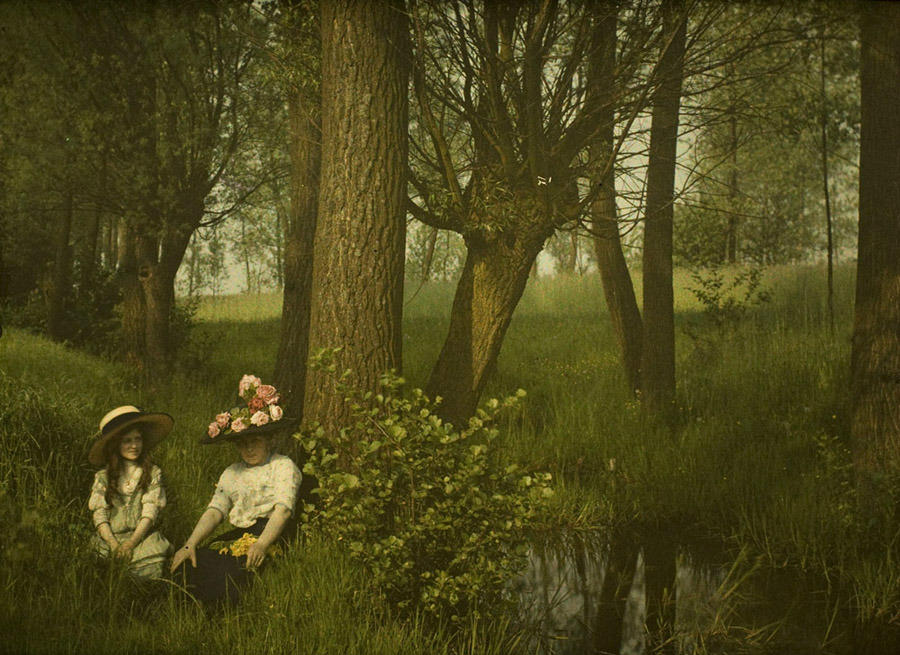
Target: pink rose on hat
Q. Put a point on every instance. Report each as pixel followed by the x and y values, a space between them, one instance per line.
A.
pixel 237 425
pixel 276 412
pixel 213 430
pixel 259 418
pixel 223 419
pixel 267 393
pixel 248 383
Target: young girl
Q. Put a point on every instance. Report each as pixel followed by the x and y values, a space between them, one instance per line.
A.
pixel 256 494
pixel 127 494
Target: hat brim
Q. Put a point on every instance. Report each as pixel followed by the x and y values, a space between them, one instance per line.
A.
pixel 154 428
pixel 282 424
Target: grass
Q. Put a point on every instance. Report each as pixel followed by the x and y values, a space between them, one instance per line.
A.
pixel 759 461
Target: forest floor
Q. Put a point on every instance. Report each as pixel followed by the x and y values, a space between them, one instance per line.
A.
pixel 759 462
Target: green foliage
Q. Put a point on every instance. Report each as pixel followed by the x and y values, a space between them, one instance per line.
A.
pixel 90 318
pixel 725 298
pixel 429 509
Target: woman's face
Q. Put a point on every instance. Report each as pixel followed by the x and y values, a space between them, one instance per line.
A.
pixel 254 449
pixel 131 445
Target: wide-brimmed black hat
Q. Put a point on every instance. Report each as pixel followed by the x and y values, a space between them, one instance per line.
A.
pixel 154 427
pixel 269 428
pixel 256 413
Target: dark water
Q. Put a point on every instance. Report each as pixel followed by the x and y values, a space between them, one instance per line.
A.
pixel 586 595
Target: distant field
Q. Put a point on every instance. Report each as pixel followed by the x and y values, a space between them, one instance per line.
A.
pixel 566 295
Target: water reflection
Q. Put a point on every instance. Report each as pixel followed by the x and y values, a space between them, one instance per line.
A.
pixel 586 595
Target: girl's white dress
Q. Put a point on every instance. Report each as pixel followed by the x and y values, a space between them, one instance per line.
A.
pixel 129 506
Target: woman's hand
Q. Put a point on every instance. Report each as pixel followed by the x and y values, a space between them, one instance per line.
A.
pixel 186 552
pixel 255 555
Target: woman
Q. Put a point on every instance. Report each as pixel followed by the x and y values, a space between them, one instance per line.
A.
pixel 256 494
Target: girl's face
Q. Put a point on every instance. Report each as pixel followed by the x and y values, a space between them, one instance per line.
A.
pixel 131 445
pixel 254 449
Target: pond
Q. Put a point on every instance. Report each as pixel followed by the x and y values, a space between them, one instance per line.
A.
pixel 585 595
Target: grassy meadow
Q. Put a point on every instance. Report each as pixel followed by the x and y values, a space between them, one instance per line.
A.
pixel 759 463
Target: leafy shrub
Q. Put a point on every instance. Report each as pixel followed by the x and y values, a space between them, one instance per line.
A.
pixel 726 302
pixel 430 510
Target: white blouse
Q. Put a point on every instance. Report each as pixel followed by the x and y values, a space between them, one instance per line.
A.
pixel 247 493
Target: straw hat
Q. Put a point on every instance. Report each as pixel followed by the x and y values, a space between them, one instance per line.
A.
pixel 154 427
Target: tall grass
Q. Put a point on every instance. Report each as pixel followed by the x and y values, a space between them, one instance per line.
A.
pixel 759 460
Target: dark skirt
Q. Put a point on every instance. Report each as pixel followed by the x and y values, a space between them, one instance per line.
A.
pixel 219 578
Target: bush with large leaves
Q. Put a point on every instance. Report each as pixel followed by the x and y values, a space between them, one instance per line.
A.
pixel 430 510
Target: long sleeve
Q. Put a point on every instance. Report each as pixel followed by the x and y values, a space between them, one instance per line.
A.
pixel 97 502
pixel 154 498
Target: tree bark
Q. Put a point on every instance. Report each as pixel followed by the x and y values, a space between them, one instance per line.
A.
pixel 357 298
pixel 875 356
pixel 428 260
pixel 731 239
pixel 158 263
pixel 306 155
pixel 60 282
pixel 133 313
pixel 490 287
pixel 828 222
pixel 658 354
pixel 614 275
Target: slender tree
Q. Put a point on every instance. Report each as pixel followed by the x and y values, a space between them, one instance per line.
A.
pixel 658 347
pixel 617 286
pixel 357 296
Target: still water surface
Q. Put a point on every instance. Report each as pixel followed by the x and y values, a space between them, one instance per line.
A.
pixel 587 596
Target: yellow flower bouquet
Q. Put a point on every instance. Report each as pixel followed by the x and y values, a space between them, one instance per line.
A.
pixel 239 547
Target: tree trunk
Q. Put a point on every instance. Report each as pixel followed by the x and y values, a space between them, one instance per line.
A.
pixel 658 355
pixel 617 286
pixel 357 298
pixel 92 235
pixel 488 291
pixel 132 296
pixel 60 282
pixel 731 237
pixel 158 263
pixel 875 357
pixel 428 260
pixel 828 221
pixel 306 155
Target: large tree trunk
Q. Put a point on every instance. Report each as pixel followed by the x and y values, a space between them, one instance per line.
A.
pixel 875 359
pixel 60 282
pixel 158 263
pixel 357 298
pixel 488 291
pixel 306 154
pixel 658 355
pixel 614 275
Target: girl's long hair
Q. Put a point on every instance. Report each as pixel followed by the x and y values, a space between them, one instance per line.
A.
pixel 114 467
